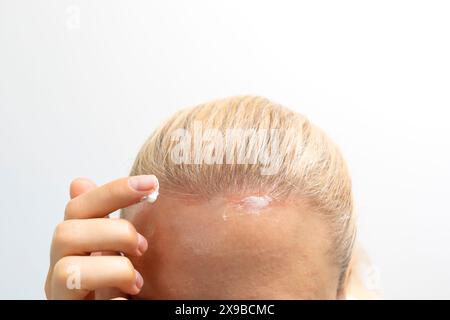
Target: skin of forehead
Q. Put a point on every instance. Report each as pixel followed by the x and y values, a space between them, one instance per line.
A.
pixel 190 239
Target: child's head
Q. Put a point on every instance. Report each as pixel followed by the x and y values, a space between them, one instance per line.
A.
pixel 255 202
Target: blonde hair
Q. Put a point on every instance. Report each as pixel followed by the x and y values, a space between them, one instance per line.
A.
pixel 309 167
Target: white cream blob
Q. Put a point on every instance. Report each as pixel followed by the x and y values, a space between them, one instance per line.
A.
pixel 253 205
pixel 152 196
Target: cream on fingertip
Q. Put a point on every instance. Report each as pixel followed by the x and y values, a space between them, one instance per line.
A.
pixel 154 195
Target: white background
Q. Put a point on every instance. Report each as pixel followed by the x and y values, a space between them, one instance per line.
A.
pixel 80 99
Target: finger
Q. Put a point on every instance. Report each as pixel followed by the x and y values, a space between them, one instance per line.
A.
pixel 76 276
pixel 110 197
pixel 110 294
pixel 83 236
pixel 80 186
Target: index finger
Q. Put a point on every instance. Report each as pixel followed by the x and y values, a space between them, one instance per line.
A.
pixel 120 193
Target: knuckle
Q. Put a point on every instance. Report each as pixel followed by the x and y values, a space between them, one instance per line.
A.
pixel 128 232
pixel 60 233
pixel 61 269
pixel 63 233
pixel 70 209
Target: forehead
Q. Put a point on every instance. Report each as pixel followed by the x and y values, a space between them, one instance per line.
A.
pixel 219 239
pixel 223 223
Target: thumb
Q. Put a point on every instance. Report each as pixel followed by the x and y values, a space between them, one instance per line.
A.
pixel 80 186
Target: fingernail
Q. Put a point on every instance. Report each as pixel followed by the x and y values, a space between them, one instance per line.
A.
pixel 139 280
pixel 143 183
pixel 142 244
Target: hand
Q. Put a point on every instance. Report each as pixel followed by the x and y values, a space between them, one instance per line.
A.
pixel 88 252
